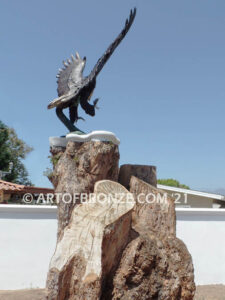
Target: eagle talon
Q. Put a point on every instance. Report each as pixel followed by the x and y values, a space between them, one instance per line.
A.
pixel 80 118
pixel 95 103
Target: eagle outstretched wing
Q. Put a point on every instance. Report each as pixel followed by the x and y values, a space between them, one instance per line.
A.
pixel 70 75
pixel 104 58
pixel 101 62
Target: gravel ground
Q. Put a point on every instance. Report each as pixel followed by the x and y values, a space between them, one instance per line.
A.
pixel 203 292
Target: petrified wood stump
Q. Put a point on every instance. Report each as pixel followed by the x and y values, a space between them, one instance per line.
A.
pixel 143 172
pixel 118 244
pixel 156 264
pixel 91 245
pixel 77 168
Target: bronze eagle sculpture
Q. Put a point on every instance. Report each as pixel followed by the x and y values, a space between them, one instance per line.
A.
pixel 74 89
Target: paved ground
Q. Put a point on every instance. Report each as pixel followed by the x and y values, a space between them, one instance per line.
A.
pixel 34 294
pixel 210 292
pixel 204 292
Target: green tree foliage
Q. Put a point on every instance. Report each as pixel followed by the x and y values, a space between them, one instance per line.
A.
pixel 4 149
pixel 13 149
pixel 172 182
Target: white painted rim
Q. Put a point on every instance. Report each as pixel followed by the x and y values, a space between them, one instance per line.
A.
pixel 104 136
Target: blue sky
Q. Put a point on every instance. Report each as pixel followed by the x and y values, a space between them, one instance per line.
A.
pixel 162 92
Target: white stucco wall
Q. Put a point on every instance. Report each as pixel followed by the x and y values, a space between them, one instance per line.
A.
pixel 27 242
pixel 28 238
pixel 203 231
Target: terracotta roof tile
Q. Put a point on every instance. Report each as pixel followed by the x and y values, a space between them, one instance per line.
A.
pixel 9 186
pixel 13 187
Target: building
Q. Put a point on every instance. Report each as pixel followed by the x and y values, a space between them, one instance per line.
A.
pixel 12 192
pixel 194 199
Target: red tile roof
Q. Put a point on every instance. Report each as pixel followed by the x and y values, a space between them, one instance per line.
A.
pixel 13 187
pixel 9 186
